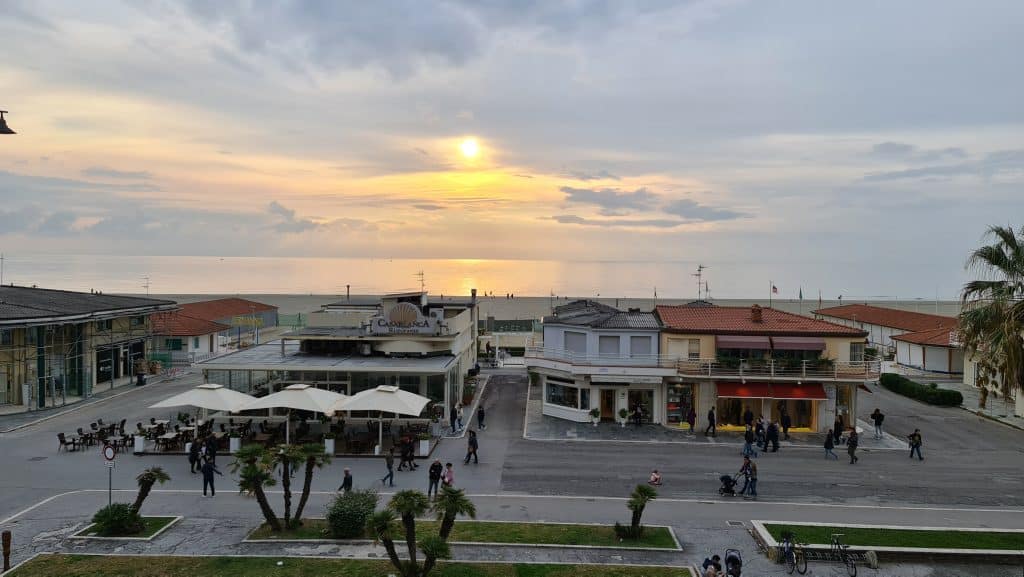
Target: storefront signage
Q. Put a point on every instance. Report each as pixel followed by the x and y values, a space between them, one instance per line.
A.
pixel 421 326
pixel 625 380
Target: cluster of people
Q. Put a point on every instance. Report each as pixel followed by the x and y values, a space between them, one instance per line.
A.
pixel 202 458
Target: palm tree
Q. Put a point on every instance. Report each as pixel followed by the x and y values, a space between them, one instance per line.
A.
pixel 382 525
pixel 450 503
pixel 147 479
pixel 638 500
pixel 992 321
pixel 409 504
pixel 316 458
pixel 286 458
pixel 257 468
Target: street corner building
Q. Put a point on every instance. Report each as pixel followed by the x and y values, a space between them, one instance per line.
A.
pixel 698 356
pixel 360 343
pixel 56 346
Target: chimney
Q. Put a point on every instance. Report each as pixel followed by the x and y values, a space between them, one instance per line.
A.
pixel 347 294
pixel 472 296
pixel 755 314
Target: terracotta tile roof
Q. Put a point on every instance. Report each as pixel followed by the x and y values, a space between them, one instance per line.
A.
pixel 176 324
pixel 886 317
pixel 737 321
pixel 223 308
pixel 588 313
pixel 941 337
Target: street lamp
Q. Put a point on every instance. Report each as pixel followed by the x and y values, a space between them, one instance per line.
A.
pixel 4 129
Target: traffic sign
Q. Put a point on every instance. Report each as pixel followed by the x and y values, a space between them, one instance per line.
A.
pixel 108 453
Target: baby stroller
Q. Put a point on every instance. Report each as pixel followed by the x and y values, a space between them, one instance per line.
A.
pixel 728 485
pixel 733 563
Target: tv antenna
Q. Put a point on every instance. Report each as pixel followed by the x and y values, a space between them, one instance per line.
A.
pixel 423 280
pixel 145 285
pixel 699 274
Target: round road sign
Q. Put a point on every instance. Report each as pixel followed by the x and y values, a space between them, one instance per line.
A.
pixel 108 453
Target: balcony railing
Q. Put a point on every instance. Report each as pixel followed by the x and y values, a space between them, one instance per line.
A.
pixel 664 361
pixel 733 368
pixel 782 368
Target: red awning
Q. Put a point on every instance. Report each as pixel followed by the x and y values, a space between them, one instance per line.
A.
pixel 798 343
pixel 744 391
pixel 809 391
pixel 741 342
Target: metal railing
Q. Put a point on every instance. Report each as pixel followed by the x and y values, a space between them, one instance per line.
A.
pixel 767 368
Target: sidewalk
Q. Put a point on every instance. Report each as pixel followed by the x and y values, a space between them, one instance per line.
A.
pixel 14 421
pixel 999 409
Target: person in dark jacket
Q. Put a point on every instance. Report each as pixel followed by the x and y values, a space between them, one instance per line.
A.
pixel 837 429
pixel 389 463
pixel 915 443
pixel 346 481
pixel 471 449
pixel 851 446
pixel 691 419
pixel 786 422
pixel 877 417
pixel 759 433
pixel 748 417
pixel 211 449
pixel 711 424
pixel 638 414
pixel 434 476
pixel 772 436
pixel 208 469
pixel 748 443
pixel 829 445
pixel 480 414
pixel 193 457
pixel 453 416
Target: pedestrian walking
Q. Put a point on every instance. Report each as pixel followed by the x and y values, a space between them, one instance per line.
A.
pixel 691 418
pixel 389 462
pixel 434 477
pixel 786 423
pixel 772 436
pixel 638 414
pixel 471 449
pixel 711 424
pixel 459 414
pixel 346 481
pixel 453 417
pixel 448 476
pixel 193 457
pixel 915 444
pixel 878 417
pixel 480 414
pixel 748 417
pixel 211 449
pixel 208 469
pixel 748 443
pixel 759 433
pixel 851 446
pixel 749 470
pixel 830 444
pixel 837 429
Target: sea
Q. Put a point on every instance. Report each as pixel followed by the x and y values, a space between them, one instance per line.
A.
pixel 549 282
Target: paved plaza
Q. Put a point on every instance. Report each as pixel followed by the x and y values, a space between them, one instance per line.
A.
pixel 970 477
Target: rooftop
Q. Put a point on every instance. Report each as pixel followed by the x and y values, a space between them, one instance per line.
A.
pixel 223 308
pixel 739 321
pixel 268 357
pixel 176 324
pixel 886 317
pixel 20 305
pixel 940 337
pixel 588 313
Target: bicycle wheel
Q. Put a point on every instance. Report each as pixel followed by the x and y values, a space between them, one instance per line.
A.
pixel 851 565
pixel 789 557
pixel 801 561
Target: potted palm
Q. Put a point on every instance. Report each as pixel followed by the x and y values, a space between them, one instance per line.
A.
pixel 234 442
pixel 595 415
pixel 329 442
pixel 623 416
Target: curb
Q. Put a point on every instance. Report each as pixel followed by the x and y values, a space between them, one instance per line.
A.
pixel 991 418
pixel 174 521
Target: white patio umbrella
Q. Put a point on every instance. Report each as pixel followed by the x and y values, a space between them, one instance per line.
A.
pixel 298 396
pixel 209 396
pixel 386 399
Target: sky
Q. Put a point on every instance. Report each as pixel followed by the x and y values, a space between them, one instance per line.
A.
pixel 839 138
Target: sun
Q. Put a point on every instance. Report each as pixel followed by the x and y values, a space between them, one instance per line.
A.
pixel 469 148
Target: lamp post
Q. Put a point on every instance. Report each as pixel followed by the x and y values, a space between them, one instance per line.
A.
pixel 4 129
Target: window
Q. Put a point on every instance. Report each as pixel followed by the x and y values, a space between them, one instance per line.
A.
pixel 639 346
pixel 195 342
pixel 585 399
pixel 107 325
pixel 138 321
pixel 172 344
pixel 694 349
pixel 562 395
pixel 608 346
pixel 857 352
pixel 575 342
pixel 6 336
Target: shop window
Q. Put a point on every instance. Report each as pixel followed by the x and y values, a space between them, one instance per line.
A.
pixel 562 395
pixel 608 346
pixel 801 412
pixel 639 346
pixel 678 403
pixel 857 352
pixel 729 410
pixel 435 388
pixel 585 399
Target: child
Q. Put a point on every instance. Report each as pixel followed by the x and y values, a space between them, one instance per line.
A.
pixel 655 478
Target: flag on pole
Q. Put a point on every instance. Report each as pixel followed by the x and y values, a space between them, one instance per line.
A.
pixel 775 290
pixel 801 293
pixel 819 298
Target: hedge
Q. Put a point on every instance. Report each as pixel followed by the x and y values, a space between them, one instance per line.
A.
pixel 930 393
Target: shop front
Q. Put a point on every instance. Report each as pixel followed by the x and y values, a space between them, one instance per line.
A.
pixel 573 399
pixel 679 400
pixel 803 402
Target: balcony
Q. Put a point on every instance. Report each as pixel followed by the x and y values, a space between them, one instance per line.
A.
pixel 584 364
pixel 769 369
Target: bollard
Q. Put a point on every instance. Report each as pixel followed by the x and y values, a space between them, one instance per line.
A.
pixel 7 550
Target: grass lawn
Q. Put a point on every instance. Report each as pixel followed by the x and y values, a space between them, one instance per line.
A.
pixel 152 526
pixel 148 566
pixel 491 532
pixel 857 536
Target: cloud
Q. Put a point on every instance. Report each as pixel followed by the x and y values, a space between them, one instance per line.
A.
pixel 288 222
pixel 104 172
pixel 911 153
pixel 691 210
pixel 617 222
pixel 998 163
pixel 429 206
pixel 613 202
pixel 588 176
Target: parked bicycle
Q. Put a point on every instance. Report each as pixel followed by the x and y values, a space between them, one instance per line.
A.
pixel 840 553
pixel 793 555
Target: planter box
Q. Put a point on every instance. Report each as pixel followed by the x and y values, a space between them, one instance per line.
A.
pixel 424 448
pixel 234 444
pixel 140 444
pixel 329 446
